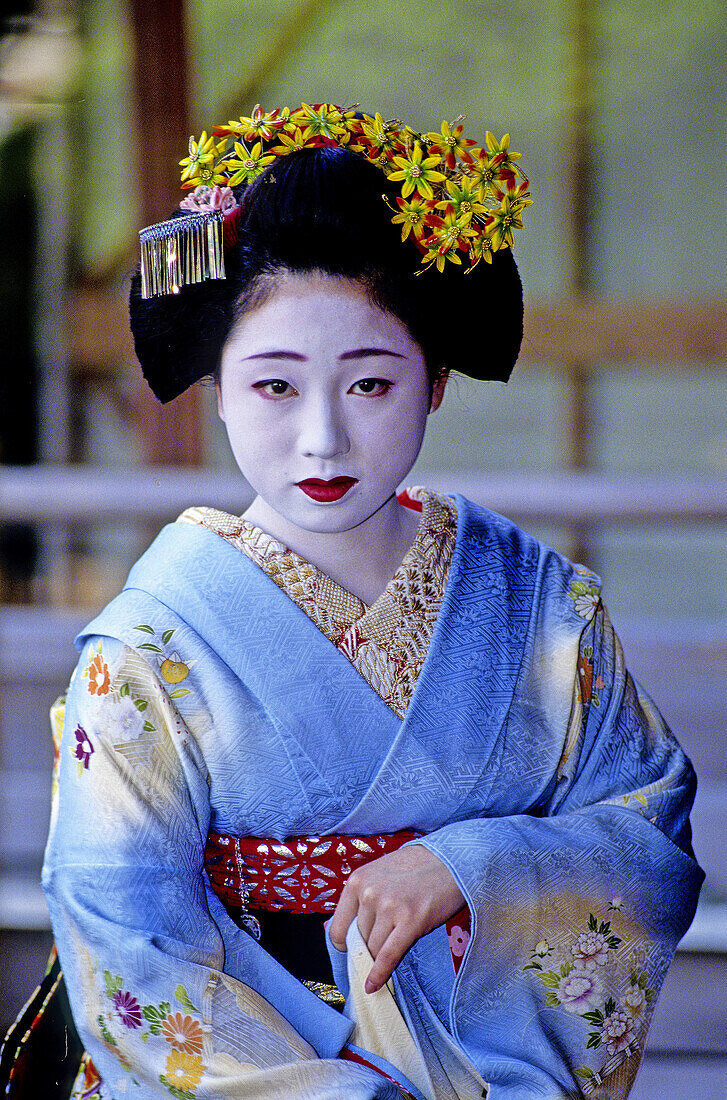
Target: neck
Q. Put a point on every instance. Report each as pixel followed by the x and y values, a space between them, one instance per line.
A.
pixel 362 560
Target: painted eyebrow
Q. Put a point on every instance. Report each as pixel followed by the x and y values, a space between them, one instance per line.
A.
pixel 278 355
pixel 365 353
pixel 357 353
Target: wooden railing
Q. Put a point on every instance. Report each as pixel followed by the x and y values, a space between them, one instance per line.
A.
pixel 66 494
pixel 683 664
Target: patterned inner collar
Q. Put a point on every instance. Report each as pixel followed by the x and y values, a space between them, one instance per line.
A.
pixel 387 641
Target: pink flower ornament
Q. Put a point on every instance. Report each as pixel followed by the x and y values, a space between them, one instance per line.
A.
pixel 579 991
pixel 205 200
pixel 458 940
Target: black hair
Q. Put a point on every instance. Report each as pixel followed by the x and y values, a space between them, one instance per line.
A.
pixel 324 210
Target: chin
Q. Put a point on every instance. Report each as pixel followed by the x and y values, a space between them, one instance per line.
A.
pixel 326 522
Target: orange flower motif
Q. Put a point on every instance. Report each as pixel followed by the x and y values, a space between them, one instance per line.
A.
pixel 183 1032
pixel 99 679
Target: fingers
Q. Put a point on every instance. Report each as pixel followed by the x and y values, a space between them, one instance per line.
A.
pixel 339 924
pixel 395 900
pixel 388 957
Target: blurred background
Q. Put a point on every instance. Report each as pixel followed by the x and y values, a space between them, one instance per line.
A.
pixel 610 441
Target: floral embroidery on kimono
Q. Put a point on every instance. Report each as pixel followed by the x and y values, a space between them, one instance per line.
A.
pixel 540 773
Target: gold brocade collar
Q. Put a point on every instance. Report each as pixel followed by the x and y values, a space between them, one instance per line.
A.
pixel 387 641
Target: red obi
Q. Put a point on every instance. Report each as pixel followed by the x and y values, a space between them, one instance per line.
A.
pixel 303 874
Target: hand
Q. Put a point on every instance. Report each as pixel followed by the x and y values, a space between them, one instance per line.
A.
pixel 396 899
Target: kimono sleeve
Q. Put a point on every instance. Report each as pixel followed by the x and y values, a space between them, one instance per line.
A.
pixel 578 904
pixel 144 960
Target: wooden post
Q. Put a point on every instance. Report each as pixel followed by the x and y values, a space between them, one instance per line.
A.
pixel 172 433
pixel 580 213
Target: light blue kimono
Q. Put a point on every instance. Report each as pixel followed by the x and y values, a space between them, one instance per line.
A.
pixel 543 775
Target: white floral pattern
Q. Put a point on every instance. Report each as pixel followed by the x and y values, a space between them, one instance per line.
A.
pixel 590 950
pixel 582 983
pixel 618 1031
pixel 579 990
pixel 586 597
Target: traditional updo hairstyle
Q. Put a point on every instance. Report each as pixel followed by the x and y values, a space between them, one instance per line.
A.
pixel 323 210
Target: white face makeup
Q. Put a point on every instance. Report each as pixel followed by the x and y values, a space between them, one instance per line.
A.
pixel 320 385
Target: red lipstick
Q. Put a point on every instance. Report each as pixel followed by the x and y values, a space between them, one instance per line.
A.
pixel 326 491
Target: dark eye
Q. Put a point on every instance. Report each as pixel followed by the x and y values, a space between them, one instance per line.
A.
pixel 371 387
pixel 275 387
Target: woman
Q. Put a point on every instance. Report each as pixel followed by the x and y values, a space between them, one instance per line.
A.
pixel 400 716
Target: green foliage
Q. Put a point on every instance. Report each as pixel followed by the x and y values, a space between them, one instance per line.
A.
pixel 180 1094
pixel 105 1031
pixel 113 983
pixel 156 1016
pixel 167 636
pixel 183 997
pixel 145 627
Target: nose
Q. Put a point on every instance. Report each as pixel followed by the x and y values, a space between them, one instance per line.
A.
pixel 323 432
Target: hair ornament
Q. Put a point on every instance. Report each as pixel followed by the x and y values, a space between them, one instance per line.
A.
pixel 458 200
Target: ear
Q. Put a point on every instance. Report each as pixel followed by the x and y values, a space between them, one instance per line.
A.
pixel 220 407
pixel 438 389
